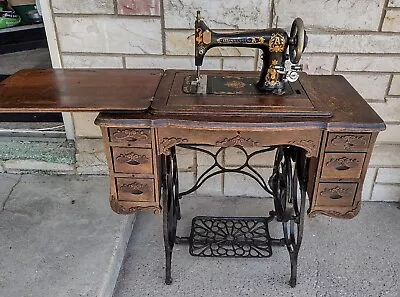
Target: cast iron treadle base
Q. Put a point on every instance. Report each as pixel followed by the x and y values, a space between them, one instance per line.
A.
pixel 245 237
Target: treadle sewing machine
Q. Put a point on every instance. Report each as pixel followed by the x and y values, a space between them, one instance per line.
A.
pixel 274 44
pixel 322 131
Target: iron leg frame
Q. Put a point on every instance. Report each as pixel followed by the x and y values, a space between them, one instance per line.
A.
pixel 171 207
pixel 288 185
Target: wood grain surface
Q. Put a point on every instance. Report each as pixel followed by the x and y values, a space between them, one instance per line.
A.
pixel 53 90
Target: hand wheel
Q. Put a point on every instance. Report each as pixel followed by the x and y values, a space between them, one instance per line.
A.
pixel 297 40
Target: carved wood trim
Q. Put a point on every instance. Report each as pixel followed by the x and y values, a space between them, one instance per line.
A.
pixel 134 134
pixel 342 162
pixel 167 142
pixel 338 212
pixel 349 141
pixel 120 207
pixel 237 140
pixel 327 192
pixel 309 145
pixel 129 157
pixel 134 187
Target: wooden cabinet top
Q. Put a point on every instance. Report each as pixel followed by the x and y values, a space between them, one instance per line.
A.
pixel 155 95
pixel 79 90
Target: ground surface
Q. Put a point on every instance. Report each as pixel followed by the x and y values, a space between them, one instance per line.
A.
pixel 359 257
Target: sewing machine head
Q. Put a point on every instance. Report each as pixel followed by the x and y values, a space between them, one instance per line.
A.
pixel 276 44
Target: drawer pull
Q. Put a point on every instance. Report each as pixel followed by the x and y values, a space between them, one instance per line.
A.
pixel 335 192
pixel 343 163
pixel 135 188
pixel 342 167
pixel 335 196
pixel 132 158
pixel 348 142
pixel 130 135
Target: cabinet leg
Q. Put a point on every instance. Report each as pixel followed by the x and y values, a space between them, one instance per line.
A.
pixel 293 270
pixel 289 184
pixel 178 209
pixel 168 261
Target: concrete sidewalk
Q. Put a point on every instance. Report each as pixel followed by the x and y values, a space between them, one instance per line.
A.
pixel 59 237
pixel 358 257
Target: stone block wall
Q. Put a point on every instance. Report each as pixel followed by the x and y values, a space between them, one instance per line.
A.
pixel 357 39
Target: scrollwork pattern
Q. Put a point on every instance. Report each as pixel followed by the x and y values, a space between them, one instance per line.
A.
pixel 237 140
pixel 130 134
pixel 350 141
pixel 129 157
pixel 168 142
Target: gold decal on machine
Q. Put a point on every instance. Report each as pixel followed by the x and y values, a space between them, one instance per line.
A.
pixel 199 35
pixel 276 43
pixel 272 74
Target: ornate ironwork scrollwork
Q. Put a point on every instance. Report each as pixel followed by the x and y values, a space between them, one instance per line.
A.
pixel 289 176
pixel 218 168
pixel 287 184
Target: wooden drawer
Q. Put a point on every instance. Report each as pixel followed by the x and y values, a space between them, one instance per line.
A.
pixel 136 137
pixel 132 160
pixel 342 165
pixel 336 194
pixel 307 138
pixel 135 189
pixel 348 142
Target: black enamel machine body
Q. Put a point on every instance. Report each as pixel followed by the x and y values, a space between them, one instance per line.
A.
pixel 276 45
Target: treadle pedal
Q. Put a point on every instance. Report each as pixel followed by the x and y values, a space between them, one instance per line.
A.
pixel 244 237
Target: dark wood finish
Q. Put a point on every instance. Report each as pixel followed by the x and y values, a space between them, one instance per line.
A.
pixel 326 117
pixel 132 160
pixel 348 142
pixel 135 189
pixel 344 139
pixel 307 138
pixel 136 137
pixel 342 165
pixel 233 101
pixel 79 90
pixel 336 194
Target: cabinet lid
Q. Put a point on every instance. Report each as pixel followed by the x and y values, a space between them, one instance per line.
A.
pixel 59 90
pixel 231 93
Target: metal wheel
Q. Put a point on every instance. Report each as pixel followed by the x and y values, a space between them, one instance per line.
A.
pixel 281 183
pixel 288 183
pixel 297 40
pixel 171 209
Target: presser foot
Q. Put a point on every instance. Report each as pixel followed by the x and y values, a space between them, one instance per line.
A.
pixel 199 85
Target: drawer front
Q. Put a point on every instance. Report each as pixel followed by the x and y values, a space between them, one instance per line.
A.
pixel 307 138
pixel 348 142
pixel 135 189
pixel 342 165
pixel 132 160
pixel 136 137
pixel 336 194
